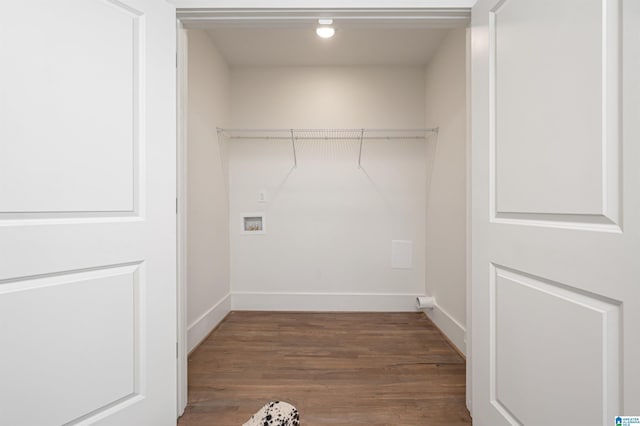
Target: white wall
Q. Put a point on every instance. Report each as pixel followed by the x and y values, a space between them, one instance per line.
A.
pixel 329 224
pixel 446 205
pixel 208 219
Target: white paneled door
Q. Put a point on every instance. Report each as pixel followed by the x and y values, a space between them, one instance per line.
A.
pixel 87 213
pixel 556 211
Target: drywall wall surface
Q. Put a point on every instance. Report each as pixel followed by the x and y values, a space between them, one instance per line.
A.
pixel 329 224
pixel 352 97
pixel 207 209
pixel 445 93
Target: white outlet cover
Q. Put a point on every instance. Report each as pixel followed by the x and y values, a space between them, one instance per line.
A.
pixel 262 196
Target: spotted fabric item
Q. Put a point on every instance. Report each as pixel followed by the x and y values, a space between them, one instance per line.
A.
pixel 276 413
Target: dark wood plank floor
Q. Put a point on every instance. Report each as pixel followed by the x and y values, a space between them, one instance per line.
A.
pixel 336 368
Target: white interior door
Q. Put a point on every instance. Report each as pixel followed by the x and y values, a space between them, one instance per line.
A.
pixel 556 211
pixel 87 212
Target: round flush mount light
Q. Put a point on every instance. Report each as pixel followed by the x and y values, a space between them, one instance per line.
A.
pixel 324 30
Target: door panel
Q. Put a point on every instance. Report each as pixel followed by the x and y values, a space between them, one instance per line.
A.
pixel 555 290
pixel 94 169
pixel 79 314
pixel 87 213
pixel 572 326
pixel 547 143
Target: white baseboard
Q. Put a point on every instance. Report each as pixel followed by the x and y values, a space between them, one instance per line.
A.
pixel 451 328
pixel 201 327
pixel 331 302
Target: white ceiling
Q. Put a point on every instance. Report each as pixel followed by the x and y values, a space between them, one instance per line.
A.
pixel 352 45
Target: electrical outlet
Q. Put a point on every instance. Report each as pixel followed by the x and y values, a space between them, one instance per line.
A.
pixel 262 196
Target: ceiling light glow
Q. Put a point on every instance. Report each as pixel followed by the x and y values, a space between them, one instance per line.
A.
pixel 325 21
pixel 325 32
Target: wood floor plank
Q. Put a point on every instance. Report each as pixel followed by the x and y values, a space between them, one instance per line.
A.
pixel 336 368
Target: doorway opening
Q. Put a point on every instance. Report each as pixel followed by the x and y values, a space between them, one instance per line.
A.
pixel 309 135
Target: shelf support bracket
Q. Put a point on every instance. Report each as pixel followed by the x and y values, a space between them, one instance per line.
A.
pixel 360 153
pixel 293 146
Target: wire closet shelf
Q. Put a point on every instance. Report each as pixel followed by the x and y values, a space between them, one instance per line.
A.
pixel 327 134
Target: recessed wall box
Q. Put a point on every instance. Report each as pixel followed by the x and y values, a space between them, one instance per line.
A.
pixel 253 224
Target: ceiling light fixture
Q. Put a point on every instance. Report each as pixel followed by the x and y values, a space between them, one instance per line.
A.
pixel 324 30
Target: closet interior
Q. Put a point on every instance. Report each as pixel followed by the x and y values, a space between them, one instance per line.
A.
pixel 325 174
